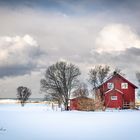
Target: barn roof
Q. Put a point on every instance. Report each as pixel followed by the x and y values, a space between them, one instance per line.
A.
pixel 118 75
pixel 80 97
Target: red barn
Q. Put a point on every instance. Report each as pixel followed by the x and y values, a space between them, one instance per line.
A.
pixel 118 92
pixel 82 103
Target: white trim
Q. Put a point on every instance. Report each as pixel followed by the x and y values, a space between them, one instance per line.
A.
pixel 114 89
pixel 108 91
pixel 110 85
pixel 124 85
pixel 114 98
pixel 119 91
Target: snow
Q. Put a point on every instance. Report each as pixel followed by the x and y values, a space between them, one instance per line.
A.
pixel 39 122
pixel 8 101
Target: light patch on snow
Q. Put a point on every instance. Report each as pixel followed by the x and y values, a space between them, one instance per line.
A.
pixel 8 101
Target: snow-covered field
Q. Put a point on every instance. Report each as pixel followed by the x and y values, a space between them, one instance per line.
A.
pixel 39 122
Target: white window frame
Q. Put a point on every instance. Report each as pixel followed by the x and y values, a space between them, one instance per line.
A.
pixel 114 98
pixel 110 85
pixel 124 85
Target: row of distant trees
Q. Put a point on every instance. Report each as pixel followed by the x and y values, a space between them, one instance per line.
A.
pixel 61 81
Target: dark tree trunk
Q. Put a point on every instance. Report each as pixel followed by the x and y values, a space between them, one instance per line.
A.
pixel 59 104
pixel 22 103
pixel 66 106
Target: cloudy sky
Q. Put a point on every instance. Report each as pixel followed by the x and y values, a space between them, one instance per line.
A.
pixel 36 33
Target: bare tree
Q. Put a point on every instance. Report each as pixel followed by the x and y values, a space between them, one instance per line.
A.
pixel 138 76
pixel 53 96
pixel 81 91
pixel 97 76
pixel 60 79
pixel 23 94
pixel 118 71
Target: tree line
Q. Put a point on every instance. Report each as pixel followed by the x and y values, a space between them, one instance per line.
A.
pixel 61 81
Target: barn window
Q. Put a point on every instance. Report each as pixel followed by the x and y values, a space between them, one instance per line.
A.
pixel 114 98
pixel 110 85
pixel 124 85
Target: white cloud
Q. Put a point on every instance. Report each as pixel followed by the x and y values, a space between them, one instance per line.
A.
pixel 16 50
pixel 116 37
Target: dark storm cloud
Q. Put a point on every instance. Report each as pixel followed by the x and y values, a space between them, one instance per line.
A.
pixel 127 60
pixel 133 51
pixel 55 2
pixel 15 70
pixel 75 6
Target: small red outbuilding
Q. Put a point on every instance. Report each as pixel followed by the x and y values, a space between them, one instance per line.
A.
pixel 118 92
pixel 82 103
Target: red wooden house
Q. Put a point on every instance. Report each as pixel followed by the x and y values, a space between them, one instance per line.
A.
pixel 118 92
